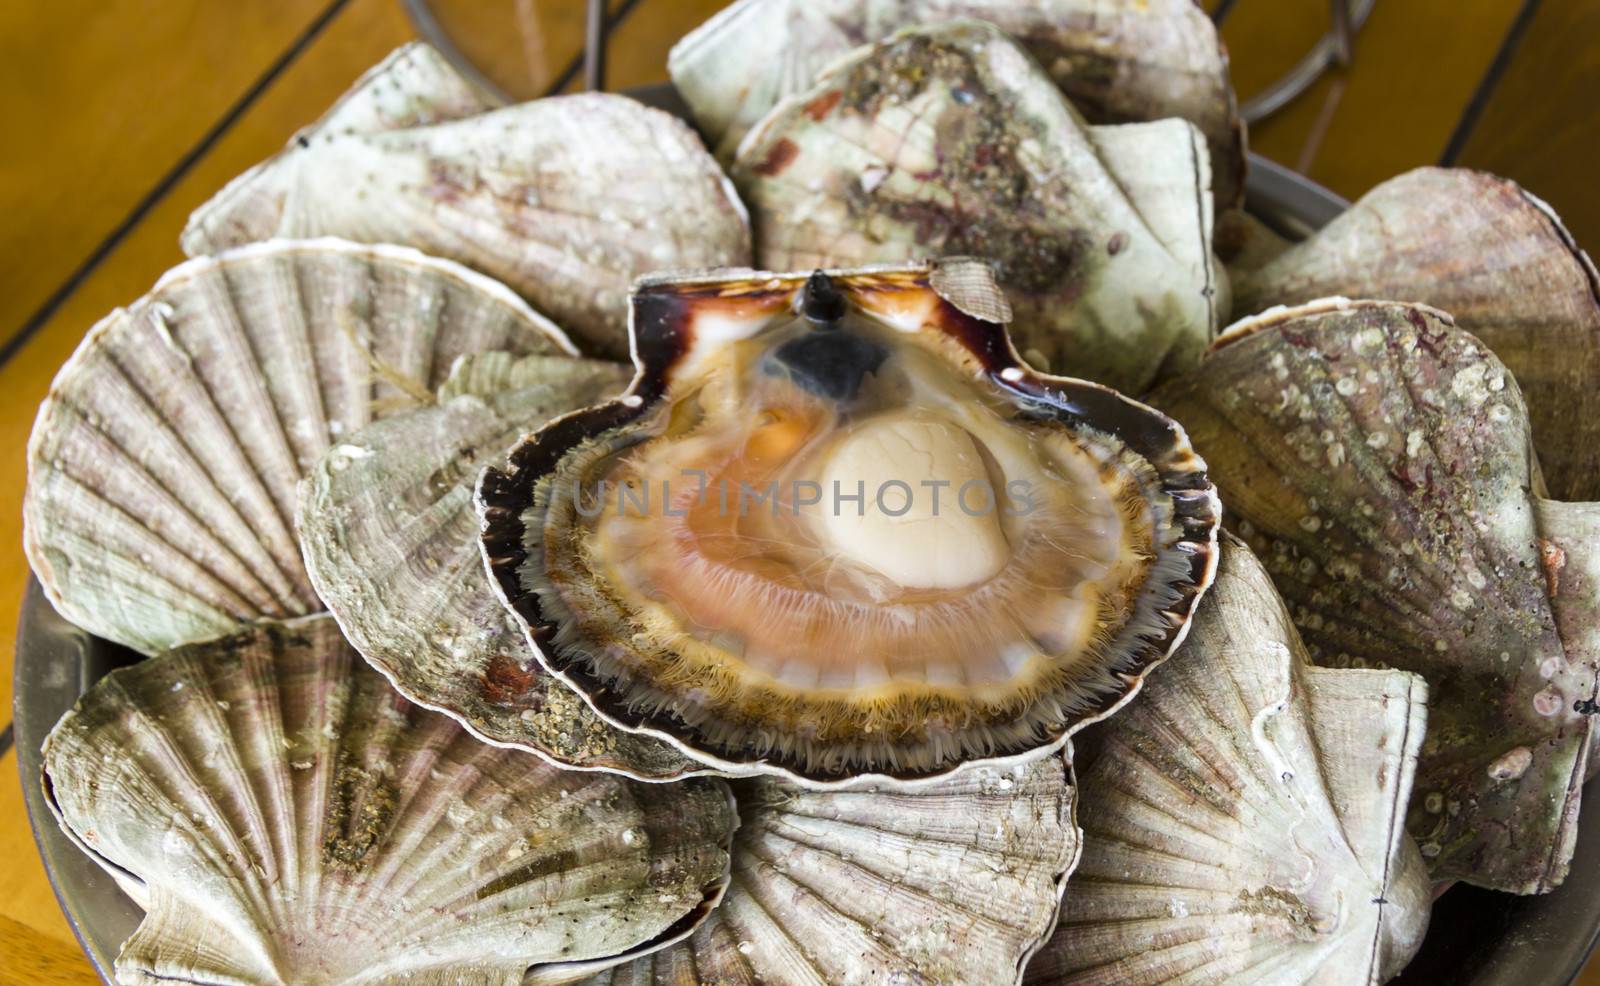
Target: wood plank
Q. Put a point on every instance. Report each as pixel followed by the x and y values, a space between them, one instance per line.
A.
pixel 103 97
pixel 522 45
pixel 1539 126
pixel 1417 66
pixel 36 945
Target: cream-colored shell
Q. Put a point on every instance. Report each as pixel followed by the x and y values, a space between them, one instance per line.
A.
pixel 390 537
pixel 1244 817
pixel 163 464
pixel 284 817
pixel 1101 235
pixel 565 199
pixel 953 885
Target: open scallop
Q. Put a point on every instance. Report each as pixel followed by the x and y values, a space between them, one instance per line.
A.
pixel 1244 817
pixel 283 816
pixel 163 464
pixel 1377 458
pixel 836 531
pixel 565 199
pixel 950 140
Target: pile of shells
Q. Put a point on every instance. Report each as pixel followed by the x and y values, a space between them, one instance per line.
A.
pixel 476 656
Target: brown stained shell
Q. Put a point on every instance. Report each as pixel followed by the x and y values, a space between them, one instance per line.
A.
pixel 1377 458
pixel 1116 61
pixel 1244 817
pixel 284 817
pixel 585 634
pixel 1496 258
pixel 391 545
pixel 163 464
pixel 956 884
pixel 949 140
pixel 565 199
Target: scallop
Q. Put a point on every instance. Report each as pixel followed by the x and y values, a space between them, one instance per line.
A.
pixel 955 884
pixel 565 199
pixel 1118 62
pixel 391 545
pixel 1244 817
pixel 1496 258
pixel 283 816
pixel 835 531
pixel 162 467
pixel 950 140
pixel 1378 459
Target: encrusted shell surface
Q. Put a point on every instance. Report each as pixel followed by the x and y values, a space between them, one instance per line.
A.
pixel 391 544
pixel 1499 261
pixel 844 691
pixel 163 464
pixel 957 884
pixel 565 199
pixel 283 816
pixel 1116 61
pixel 1377 458
pixel 950 140
pixel 1244 817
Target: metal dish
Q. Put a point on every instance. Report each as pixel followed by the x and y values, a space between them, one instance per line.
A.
pixel 1477 938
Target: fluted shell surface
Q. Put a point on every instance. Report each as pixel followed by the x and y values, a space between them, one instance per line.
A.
pixel 565 199
pixel 1496 258
pixel 391 544
pixel 956 884
pixel 1377 458
pixel 283 816
pixel 163 464
pixel 1117 61
pixel 1244 817
pixel 950 140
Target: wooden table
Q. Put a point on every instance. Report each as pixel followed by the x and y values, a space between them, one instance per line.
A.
pixel 125 115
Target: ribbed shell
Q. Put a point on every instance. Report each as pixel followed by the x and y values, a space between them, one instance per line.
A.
pixel 1117 61
pixel 950 140
pixel 391 543
pixel 1377 459
pixel 163 464
pixel 284 816
pixel 957 884
pixel 565 199
pixel 1497 259
pixel 1244 817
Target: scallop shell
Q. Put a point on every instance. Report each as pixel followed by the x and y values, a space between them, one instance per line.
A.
pixel 728 683
pixel 163 464
pixel 981 156
pixel 1244 817
pixel 1377 458
pixel 565 199
pixel 1116 61
pixel 284 817
pixel 1497 259
pixel 956 884
pixel 391 543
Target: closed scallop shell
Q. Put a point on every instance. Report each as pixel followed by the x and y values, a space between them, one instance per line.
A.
pixel 1377 458
pixel 1117 61
pixel 283 816
pixel 1244 817
pixel 955 884
pixel 390 537
pixel 163 464
pixel 565 199
pixel 950 140
pixel 1497 259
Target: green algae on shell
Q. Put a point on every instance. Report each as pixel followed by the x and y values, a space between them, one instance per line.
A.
pixel 949 140
pixel 390 538
pixel 283 816
pixel 1243 818
pixel 1497 259
pixel 1377 458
